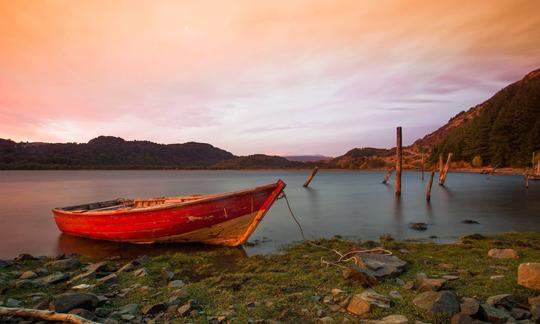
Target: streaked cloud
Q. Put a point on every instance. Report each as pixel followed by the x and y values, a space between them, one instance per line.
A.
pixel 281 77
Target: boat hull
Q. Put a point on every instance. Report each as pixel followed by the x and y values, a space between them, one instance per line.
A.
pixel 226 219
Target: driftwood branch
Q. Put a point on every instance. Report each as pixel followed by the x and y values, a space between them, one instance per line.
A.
pixel 388 175
pixel 44 315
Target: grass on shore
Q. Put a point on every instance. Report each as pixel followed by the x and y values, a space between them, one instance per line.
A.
pixel 290 286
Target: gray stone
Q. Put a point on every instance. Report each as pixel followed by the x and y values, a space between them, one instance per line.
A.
pixel 53 278
pixel 437 302
pixel 154 309
pixel 186 309
pixel 63 303
pixel 24 257
pixel 469 306
pixel 102 312
pixel 64 265
pixel 375 298
pixel 492 314
pixel 142 272
pixel 108 280
pixel 506 300
pixel 383 265
pixel 11 302
pixel 520 313
pixel 131 309
pixel 461 318
pixel 176 284
pixel 84 313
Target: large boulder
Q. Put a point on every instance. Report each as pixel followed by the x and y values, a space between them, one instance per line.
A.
pixel 529 275
pixel 382 265
pixel 503 254
pixel 493 314
pixel 437 302
pixel 63 303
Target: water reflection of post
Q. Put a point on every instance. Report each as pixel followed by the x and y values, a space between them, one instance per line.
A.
pixel 447 192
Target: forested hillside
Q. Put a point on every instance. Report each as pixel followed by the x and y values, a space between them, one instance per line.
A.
pixel 505 130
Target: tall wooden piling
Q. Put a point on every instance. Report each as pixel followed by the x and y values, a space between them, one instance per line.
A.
pixel 538 167
pixel 430 183
pixel 399 160
pixel 423 161
pixel 313 173
pixel 442 177
pixel 526 180
pixel 441 166
pixel 388 175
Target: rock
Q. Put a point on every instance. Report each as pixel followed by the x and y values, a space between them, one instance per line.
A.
pixel 386 238
pixel 529 275
pixel 450 277
pixel 142 272
pixel 325 320
pixel 64 265
pixel 167 275
pixel 108 280
pixel 391 319
pixel 520 313
pixel 82 287
pixel 131 309
pixel 534 300
pixel 24 257
pixel 84 313
pixel 469 306
pixel 154 309
pixel 469 221
pixel 471 237
pixel 5 263
pixel 132 265
pixel 53 278
pixel 362 303
pixel 505 300
pixel 28 275
pixel 102 312
pixel 11 302
pixel 176 284
pixel 408 285
pixel 63 303
pixel 503 254
pixel 394 294
pixel 186 309
pixel 492 314
pixel 437 302
pixel 461 318
pixel 496 277
pixel 425 284
pixel 336 292
pixel 418 226
pixel 535 313
pixel 364 277
pixel 91 270
pixel 382 265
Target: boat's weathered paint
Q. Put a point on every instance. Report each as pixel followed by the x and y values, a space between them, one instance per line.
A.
pixel 225 219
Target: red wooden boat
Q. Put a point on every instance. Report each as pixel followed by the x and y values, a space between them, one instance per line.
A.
pixel 222 219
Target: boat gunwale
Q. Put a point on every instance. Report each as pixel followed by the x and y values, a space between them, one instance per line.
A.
pixel 204 198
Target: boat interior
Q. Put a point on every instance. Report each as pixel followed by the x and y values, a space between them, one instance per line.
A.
pixel 122 203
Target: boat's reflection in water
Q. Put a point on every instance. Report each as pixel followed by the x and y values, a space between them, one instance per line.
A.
pixel 99 250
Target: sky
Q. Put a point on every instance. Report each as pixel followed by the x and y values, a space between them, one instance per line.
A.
pixel 277 77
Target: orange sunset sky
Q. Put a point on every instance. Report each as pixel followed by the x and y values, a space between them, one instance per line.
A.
pixel 277 77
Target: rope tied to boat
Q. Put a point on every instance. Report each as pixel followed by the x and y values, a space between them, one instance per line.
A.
pixel 343 257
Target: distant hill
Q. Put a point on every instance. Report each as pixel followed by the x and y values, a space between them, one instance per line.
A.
pixel 107 152
pixel 502 131
pixel 258 161
pixel 307 158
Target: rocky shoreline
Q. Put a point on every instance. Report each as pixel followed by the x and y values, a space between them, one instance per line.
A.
pixel 479 279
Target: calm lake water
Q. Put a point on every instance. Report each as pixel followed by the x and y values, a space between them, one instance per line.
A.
pixel 353 204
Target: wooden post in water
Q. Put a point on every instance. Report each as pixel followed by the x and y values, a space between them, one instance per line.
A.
pixel 538 167
pixel 388 175
pixel 430 183
pixel 442 178
pixel 399 160
pixel 526 180
pixel 441 166
pixel 423 166
pixel 313 173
